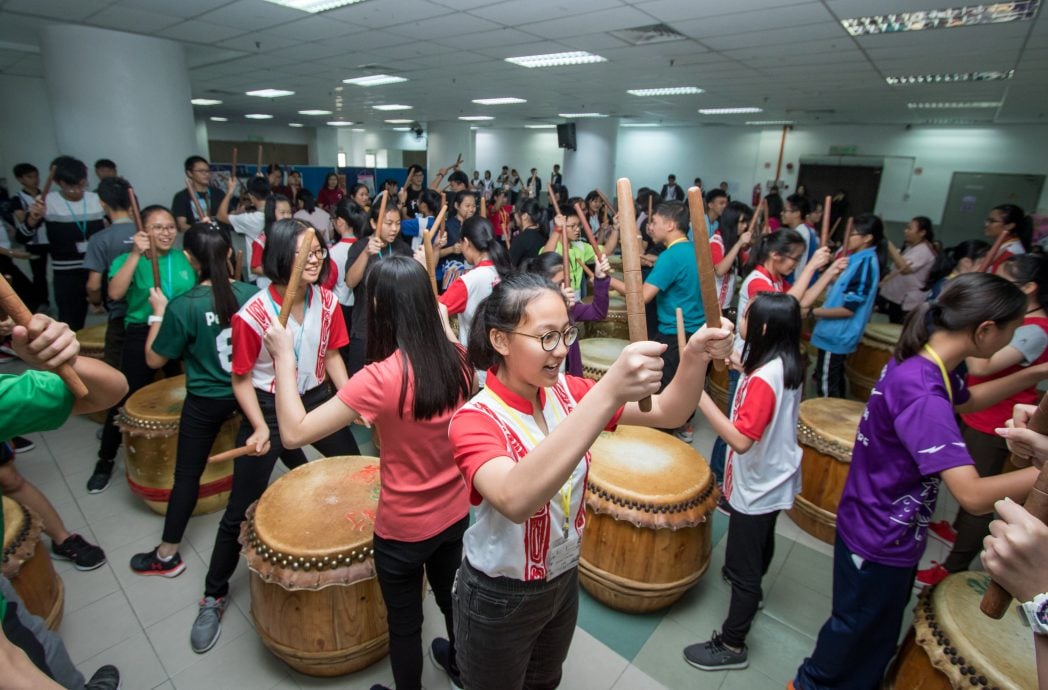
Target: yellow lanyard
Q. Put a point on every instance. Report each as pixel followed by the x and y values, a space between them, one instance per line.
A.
pixel 565 491
pixel 676 241
pixel 942 370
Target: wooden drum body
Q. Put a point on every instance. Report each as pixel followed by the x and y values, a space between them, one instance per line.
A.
pixel 315 598
pixel 149 420
pixel 826 431
pixel 647 537
pixel 952 645
pixel 598 354
pixel 27 564
pixel 614 325
pixel 717 387
pixel 863 367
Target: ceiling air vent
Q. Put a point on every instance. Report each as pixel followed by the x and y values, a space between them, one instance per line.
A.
pixel 645 35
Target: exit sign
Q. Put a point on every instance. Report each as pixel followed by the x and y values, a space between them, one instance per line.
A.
pixel 844 150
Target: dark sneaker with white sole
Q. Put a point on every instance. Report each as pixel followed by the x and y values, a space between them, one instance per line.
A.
pixel 714 655
pixel 84 555
pixel 105 678
pixel 208 624
pixel 441 649
pixel 150 563
pixel 99 479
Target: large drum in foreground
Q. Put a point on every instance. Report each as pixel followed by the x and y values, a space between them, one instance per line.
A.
pixel 647 537
pixel 826 431
pixel 149 420
pixel 863 367
pixel 614 325
pixel 315 598
pixel 952 645
pixel 28 566
pixel 598 354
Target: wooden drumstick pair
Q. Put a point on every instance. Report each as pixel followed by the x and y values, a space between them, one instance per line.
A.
pixel 580 211
pixel 290 295
pixel 195 200
pixel 430 251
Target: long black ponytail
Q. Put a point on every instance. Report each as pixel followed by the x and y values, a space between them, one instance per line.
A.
pixel 210 245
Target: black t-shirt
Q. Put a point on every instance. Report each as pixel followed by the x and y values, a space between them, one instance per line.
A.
pixel 412 199
pixel 210 200
pixel 359 322
pixel 526 245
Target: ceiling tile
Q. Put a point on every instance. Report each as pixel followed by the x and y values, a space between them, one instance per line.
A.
pixel 133 20
pixel 448 25
pixel 377 15
pixel 593 22
pixel 314 28
pixel 682 10
pixel 486 39
pixel 200 55
pixel 178 8
pixel 250 15
pixel 515 13
pixel 67 10
pixel 768 20
pixel 201 32
pixel 799 36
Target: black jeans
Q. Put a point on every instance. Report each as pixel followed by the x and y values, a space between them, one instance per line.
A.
pixel 751 546
pixel 201 420
pixel 355 353
pixel 830 381
pixel 400 565
pixel 71 296
pixel 38 267
pixel 114 345
pixel 21 283
pixel 251 477
pixel 989 452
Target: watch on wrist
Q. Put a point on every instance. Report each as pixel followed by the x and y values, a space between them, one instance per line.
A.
pixel 1035 613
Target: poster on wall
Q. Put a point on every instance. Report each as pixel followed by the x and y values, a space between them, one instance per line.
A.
pixel 968 202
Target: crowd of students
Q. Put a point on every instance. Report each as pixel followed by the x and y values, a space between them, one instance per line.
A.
pixel 495 416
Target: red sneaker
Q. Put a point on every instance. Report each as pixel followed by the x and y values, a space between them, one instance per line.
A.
pixel 943 531
pixel 929 577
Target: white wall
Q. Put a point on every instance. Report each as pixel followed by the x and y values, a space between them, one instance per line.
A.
pixel 521 148
pixel 260 132
pixel 27 133
pixel 356 144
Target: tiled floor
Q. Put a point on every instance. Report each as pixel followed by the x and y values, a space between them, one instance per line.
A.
pixel 142 624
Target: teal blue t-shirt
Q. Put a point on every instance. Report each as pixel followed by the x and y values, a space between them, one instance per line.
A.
pixel 676 276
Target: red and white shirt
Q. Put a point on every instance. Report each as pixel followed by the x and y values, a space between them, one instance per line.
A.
pixel 322 328
pixel 767 476
pixel 1008 250
pixel 725 283
pixel 759 280
pixel 466 293
pixel 498 423
pixel 258 247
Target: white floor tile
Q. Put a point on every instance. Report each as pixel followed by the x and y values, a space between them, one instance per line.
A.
pixel 84 588
pixel 635 679
pixel 136 659
pixel 98 626
pixel 170 637
pixel 243 663
pixel 591 665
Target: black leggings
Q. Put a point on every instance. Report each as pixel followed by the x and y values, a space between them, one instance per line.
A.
pixel 251 477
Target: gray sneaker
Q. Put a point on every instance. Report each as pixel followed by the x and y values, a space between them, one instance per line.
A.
pixel 208 624
pixel 714 655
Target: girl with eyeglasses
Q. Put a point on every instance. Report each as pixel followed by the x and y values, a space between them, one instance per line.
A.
pixel 1018 227
pixel 317 331
pixel 131 279
pixel 415 379
pixel 522 445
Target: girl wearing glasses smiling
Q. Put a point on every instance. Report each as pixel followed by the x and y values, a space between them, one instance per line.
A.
pixel 1010 219
pixel 522 445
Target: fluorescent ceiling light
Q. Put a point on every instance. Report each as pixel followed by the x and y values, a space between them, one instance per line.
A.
pixel 672 91
pixel 540 126
pixel 314 112
pixel 401 129
pixel 358 129
pixel 395 106
pixel 640 124
pixel 313 6
pixel 219 119
pixel 205 101
pixel 729 111
pixel 399 121
pixel 950 77
pixel 954 104
pixel 341 123
pixel 269 93
pixel 508 100
pixel 948 18
pixel 576 116
pixel 258 116
pixel 475 118
pixel 295 124
pixel 374 80
pixel 955 121
pixel 578 57
pixel 769 122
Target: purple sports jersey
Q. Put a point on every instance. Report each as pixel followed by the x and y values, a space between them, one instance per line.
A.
pixel 907 435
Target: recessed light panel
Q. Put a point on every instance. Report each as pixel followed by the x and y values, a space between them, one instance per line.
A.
pixel 578 57
pixel 475 118
pixel 295 124
pixel 509 100
pixel 948 18
pixel 769 122
pixel 670 91
pixel 341 123
pixel 269 93
pixel 401 129
pixel 399 121
pixel 954 104
pixel 205 101
pixel 258 116
pixel 394 106
pixel 313 6
pixel 374 80
pixel 576 116
pixel 949 77
pixel 540 126
pixel 640 124
pixel 729 111
pixel 219 119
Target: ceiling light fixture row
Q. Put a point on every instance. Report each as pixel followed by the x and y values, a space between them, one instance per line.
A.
pixel 729 111
pixel 578 57
pixel 205 101
pixel 392 106
pixel 669 91
pixel 269 93
pixel 508 100
pixel 313 6
pixel 949 78
pixel 374 80
pixel 954 104
pixel 948 18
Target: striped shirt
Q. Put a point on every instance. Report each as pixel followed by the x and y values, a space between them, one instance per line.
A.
pixel 69 225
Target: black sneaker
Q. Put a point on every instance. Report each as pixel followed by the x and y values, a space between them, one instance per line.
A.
pixel 22 444
pixel 442 656
pixel 105 678
pixel 99 480
pixel 75 548
pixel 379 686
pixel 714 655
pixel 150 563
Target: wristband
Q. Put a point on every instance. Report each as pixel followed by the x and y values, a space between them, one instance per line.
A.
pixel 153 318
pixel 1034 613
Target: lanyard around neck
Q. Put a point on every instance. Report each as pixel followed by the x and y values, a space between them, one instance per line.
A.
pixel 80 223
pixel 301 326
pixel 942 370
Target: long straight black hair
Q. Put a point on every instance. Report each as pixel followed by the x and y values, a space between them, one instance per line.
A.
pixel 480 233
pixel 967 301
pixel 210 245
pixel 278 257
pixel 403 317
pixel 1029 268
pixel 773 331
pixel 773 243
pixel 502 310
pixel 734 213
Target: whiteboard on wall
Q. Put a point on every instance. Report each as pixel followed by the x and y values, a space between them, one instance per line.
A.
pixel 894 193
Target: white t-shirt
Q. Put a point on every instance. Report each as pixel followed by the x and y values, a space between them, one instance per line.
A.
pixel 319 220
pixel 767 476
pixel 339 252
pixel 250 225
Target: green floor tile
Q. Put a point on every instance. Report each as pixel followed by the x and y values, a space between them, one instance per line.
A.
pixel 625 633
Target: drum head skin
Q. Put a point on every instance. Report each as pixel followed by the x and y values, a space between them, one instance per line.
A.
pixel 601 353
pixel 92 337
pixel 885 334
pixel 829 424
pixel 158 402
pixel 14 522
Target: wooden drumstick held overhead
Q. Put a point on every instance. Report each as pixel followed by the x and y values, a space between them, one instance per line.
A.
pixel 987 262
pixel 296 275
pixel 834 228
pixel 140 227
pixel 233 163
pixel 826 204
pixel 589 232
pixel 630 242
pixel 682 340
pixel 564 253
pixel 848 230
pixel 553 199
pixel 704 263
pixel 427 247
pixel 483 206
pixel 47 185
pixel 232 454
pixel 996 599
pixel 258 168
pixel 12 304
pixel 194 200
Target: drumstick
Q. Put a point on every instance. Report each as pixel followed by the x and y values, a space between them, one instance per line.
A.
pixel 233 164
pixel 987 261
pixel 291 292
pixel 651 197
pixel 630 241
pixel 139 227
pixel 704 263
pixel 997 599
pixel 848 230
pixel 826 220
pixel 382 211
pixel 258 168
pixel 589 232
pixel 682 341
pixel 196 201
pixel 12 304
pixel 232 454
pixel 483 207
pixel 837 222
pixel 564 254
pixel 431 254
pixel 47 184
pixel 553 200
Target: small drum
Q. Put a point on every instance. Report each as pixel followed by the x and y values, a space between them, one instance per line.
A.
pixel 826 431
pixel 149 420
pixel 614 325
pixel 93 344
pixel 315 598
pixel 863 367
pixel 27 564
pixel 598 354
pixel 952 645
pixel 717 387
pixel 647 538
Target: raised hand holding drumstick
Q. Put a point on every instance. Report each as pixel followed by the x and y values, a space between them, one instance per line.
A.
pixel 136 215
pixel 704 262
pixel 630 241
